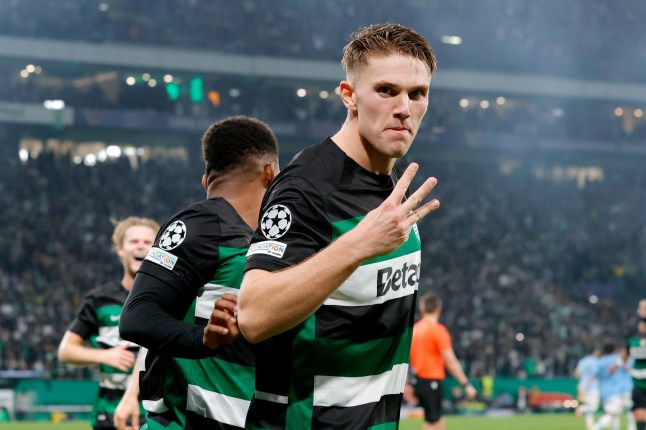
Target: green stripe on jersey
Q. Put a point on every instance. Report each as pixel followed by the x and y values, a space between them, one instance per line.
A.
pixel 108 316
pixel 223 377
pixel 411 245
pixel 299 412
pixel 358 358
pixel 384 426
pixel 229 273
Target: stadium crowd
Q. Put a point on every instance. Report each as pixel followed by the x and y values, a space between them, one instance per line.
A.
pixel 514 255
pixel 583 39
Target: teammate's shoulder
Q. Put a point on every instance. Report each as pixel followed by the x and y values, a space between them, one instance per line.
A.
pixel 107 289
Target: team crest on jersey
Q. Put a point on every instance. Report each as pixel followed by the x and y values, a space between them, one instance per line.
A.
pixel 275 221
pixel 173 236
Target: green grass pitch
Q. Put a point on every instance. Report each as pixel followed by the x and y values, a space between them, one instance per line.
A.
pixel 524 422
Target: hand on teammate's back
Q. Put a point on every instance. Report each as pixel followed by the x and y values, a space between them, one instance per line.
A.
pixel 119 357
pixel 223 325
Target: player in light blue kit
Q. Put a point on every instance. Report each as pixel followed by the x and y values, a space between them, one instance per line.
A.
pixel 610 381
pixel 588 386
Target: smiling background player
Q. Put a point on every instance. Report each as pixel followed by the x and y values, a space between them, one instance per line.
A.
pixel 97 320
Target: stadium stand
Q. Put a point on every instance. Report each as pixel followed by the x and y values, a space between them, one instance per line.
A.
pixel 537 251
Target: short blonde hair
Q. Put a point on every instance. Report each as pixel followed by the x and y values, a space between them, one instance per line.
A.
pixel 120 228
pixel 386 39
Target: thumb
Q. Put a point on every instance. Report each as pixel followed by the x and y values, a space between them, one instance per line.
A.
pixel 123 346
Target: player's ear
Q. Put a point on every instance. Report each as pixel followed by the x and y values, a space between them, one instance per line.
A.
pixel 346 90
pixel 205 182
pixel 269 172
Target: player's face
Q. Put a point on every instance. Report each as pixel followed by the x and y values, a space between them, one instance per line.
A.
pixel 641 309
pixel 136 243
pixel 391 98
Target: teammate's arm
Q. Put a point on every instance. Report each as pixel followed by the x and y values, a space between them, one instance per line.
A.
pixel 128 407
pixel 273 302
pixel 152 317
pixel 73 351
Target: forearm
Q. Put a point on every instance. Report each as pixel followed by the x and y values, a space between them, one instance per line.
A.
pixel 72 351
pixel 455 369
pixel 271 303
pixel 147 320
pixel 132 392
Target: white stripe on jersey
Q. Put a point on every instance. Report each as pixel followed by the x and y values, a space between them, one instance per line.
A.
pixel 204 302
pixel 143 352
pixel 216 406
pixel 360 289
pixel 638 373
pixel 110 336
pixel 354 391
pixel 114 381
pixel 269 397
pixel 156 406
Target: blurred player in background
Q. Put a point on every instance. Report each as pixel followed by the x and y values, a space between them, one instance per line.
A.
pixel 98 321
pixel 431 353
pixel 191 377
pixel 333 335
pixel 588 386
pixel 610 389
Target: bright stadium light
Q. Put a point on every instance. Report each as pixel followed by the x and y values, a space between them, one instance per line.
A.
pixel 23 154
pixel 619 111
pixel 484 104
pixel 113 151
pixel 520 337
pixel 452 40
pixel 324 94
pixel 152 83
pixel 500 101
pixel 638 113
pixel 464 103
pixel 301 92
pixel 90 160
pixel 168 78
pixel 593 299
pixel 130 80
pixel 54 104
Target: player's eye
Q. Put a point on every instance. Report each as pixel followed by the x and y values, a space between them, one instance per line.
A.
pixel 416 95
pixel 385 90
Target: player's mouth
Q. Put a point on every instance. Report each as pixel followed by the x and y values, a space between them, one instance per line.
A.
pixel 140 257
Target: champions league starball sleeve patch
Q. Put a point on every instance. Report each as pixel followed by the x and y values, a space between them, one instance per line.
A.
pixel 275 221
pixel 173 236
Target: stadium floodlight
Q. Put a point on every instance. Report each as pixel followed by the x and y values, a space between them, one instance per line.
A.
pixel 196 89
pixel 173 90
pixel 54 104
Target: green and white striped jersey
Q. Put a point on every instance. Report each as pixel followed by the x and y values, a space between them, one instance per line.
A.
pixel 97 320
pixel 345 366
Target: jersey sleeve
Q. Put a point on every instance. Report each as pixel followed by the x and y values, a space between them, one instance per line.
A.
pixel 443 338
pixel 293 226
pixel 184 257
pixel 185 252
pixel 85 323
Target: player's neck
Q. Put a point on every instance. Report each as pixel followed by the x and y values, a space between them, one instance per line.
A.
pixel 245 197
pixel 127 281
pixel 349 140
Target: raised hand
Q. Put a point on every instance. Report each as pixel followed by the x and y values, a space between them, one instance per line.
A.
pixel 222 327
pixel 388 226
